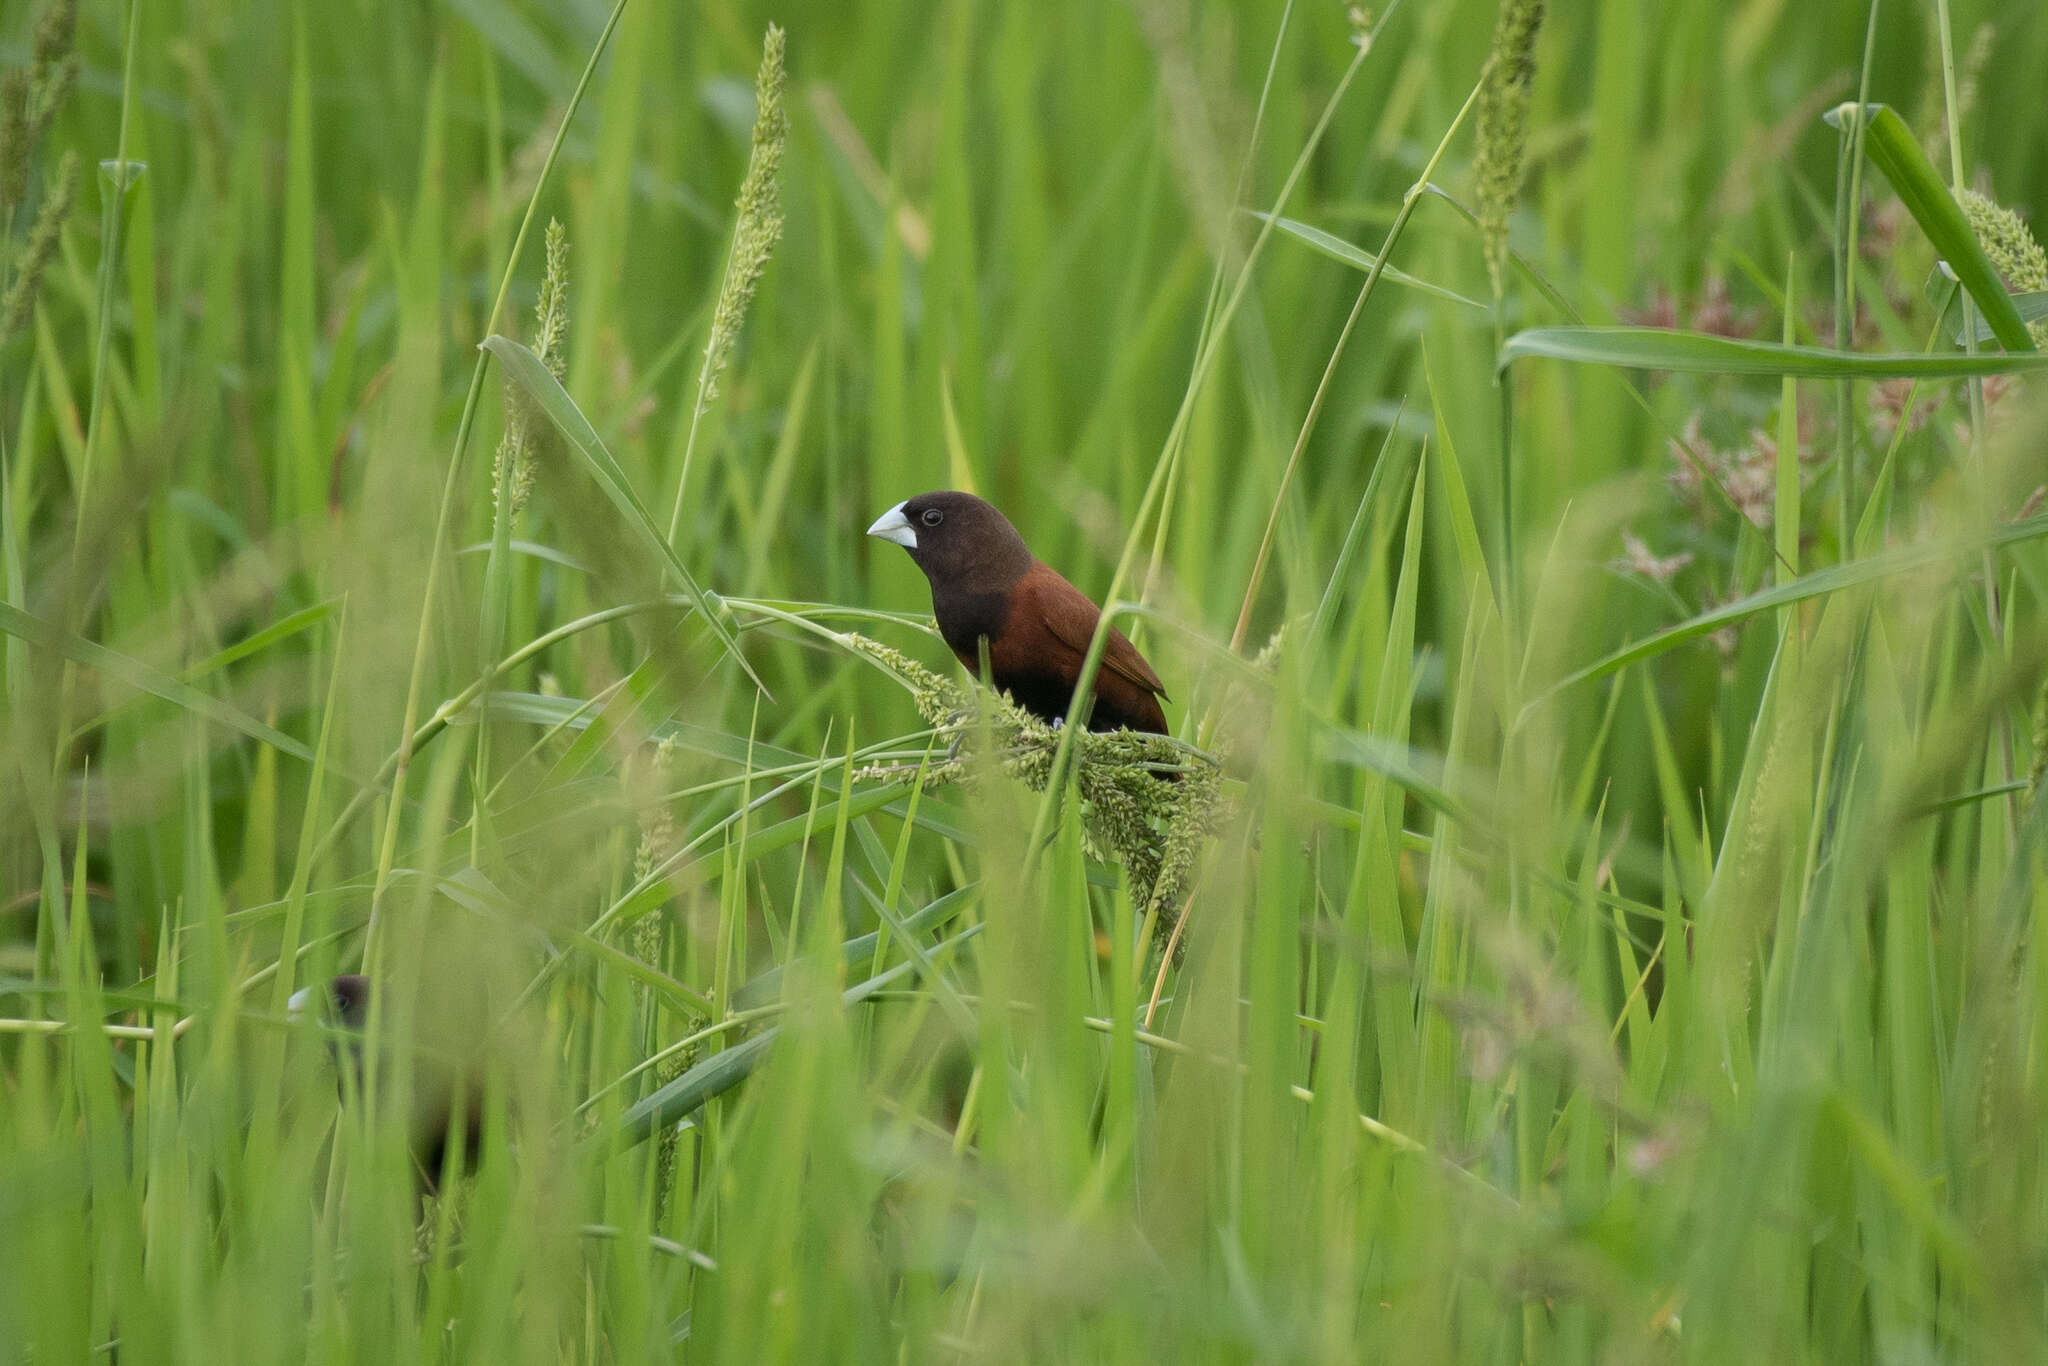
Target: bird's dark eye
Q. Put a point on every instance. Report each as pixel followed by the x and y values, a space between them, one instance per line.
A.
pixel 932 516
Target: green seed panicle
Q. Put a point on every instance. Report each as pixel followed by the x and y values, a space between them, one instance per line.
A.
pixel 38 250
pixel 2019 259
pixel 760 218
pixel 524 426
pixel 1156 829
pixel 1504 126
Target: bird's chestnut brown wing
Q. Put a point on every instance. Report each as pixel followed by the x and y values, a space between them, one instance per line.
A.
pixel 1069 617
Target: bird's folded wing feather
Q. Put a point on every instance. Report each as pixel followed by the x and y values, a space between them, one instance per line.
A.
pixel 1070 616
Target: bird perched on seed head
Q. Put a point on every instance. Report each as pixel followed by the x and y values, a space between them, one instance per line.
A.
pixel 987 585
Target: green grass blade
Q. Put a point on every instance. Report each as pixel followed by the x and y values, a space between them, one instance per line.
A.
pixel 1337 249
pixel 1814 585
pixel 1698 353
pixel 1891 144
pixel 723 1071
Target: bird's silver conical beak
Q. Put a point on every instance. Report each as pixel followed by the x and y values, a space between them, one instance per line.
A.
pixel 894 526
pixel 300 1002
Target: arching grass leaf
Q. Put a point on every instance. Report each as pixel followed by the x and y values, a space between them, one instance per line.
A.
pixel 528 371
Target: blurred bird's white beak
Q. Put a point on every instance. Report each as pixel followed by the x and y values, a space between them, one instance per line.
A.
pixel 300 1002
pixel 894 526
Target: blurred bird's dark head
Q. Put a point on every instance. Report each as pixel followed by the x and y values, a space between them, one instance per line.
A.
pixel 344 1001
pixel 957 538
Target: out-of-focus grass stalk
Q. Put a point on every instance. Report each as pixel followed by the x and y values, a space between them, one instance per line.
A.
pixel 1205 357
pixel 114 197
pixel 1322 389
pixel 1414 196
pixel 388 846
pixel 1219 270
pixel 512 481
pixel 1958 183
pixel 121 176
pixel 1785 514
pixel 1994 612
pixel 1848 215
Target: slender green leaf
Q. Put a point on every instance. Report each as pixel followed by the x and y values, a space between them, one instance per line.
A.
pixel 765 988
pixel 530 548
pixel 1814 585
pixel 1457 504
pixel 1656 348
pixel 722 1071
pixel 270 635
pixel 144 678
pixel 577 714
pixel 1337 249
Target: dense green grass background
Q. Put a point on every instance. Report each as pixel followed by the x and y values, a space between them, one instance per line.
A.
pixel 1686 1007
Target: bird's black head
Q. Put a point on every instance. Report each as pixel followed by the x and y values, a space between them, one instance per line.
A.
pixel 351 996
pixel 958 539
pixel 347 1001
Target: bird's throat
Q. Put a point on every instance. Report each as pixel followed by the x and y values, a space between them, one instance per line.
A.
pixel 966 618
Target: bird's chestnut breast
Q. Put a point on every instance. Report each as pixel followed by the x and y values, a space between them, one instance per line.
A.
pixel 965 617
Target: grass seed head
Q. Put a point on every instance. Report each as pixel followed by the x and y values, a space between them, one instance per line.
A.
pixel 1155 829
pixel 31 96
pixel 760 218
pixel 14 140
pixel 2006 240
pixel 38 250
pixel 658 838
pixel 551 313
pixel 1504 126
pixel 523 425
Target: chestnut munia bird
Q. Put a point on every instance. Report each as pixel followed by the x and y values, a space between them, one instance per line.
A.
pixel 987 585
